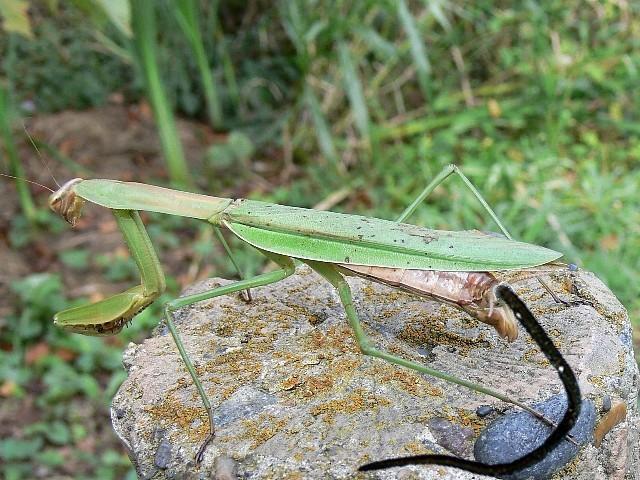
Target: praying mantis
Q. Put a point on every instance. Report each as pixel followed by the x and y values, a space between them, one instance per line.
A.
pixel 452 267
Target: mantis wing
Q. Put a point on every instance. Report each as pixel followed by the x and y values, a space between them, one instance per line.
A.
pixel 339 238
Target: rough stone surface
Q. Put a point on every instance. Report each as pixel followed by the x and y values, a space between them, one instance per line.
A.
pixel 510 437
pixel 294 397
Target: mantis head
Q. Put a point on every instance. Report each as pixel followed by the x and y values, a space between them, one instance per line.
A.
pixel 66 203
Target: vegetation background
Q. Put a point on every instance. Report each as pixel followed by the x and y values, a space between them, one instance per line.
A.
pixel 336 104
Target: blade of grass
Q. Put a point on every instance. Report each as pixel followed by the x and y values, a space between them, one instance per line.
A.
pixel 325 141
pixel 354 91
pixel 435 7
pixel 15 167
pixel 144 31
pixel 228 70
pixel 186 14
pixel 418 51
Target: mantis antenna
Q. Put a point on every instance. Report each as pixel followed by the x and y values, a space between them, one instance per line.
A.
pixel 28 181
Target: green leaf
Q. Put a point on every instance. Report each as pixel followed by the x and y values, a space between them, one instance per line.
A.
pixel 15 449
pixel 241 145
pixel 77 259
pixel 58 433
pixel 436 10
pixel 51 458
pixel 16 17
pixel 378 44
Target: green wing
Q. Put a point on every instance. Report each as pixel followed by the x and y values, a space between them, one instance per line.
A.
pixel 339 238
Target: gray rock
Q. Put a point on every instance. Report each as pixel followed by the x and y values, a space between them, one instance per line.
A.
pixel 484 410
pixel 455 438
pixel 163 454
pixel 295 398
pixel 246 402
pixel 512 436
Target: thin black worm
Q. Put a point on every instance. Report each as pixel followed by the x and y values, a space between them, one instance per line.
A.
pixel 574 401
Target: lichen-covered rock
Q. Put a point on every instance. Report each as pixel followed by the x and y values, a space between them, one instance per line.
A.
pixel 294 397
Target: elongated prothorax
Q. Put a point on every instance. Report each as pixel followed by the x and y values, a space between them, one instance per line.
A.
pixel 134 196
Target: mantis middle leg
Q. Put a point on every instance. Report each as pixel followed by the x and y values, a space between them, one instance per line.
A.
pixel 247 293
pixel 288 268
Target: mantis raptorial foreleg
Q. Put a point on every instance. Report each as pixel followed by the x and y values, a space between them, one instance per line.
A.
pixel 288 268
pixel 108 316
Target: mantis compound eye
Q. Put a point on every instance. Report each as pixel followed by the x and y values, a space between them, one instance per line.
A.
pixel 66 203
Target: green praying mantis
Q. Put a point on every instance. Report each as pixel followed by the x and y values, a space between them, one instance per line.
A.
pixel 452 267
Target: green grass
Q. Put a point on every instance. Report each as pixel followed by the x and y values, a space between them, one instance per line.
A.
pixel 537 103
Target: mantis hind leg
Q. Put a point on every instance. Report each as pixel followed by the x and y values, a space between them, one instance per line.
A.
pixel 440 178
pixel 330 273
pixel 170 307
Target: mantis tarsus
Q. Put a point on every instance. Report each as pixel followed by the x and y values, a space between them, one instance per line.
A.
pixel 334 245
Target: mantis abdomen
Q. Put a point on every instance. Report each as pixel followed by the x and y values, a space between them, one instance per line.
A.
pixel 472 292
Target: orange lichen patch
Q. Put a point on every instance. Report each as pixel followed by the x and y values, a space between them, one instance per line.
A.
pixel 233 320
pixel 597 381
pixel 619 319
pixel 390 295
pixel 172 411
pixel 308 386
pixel 613 417
pixel 571 469
pixel 240 365
pixel 298 311
pixel 417 448
pixel 534 355
pixel 336 338
pixel 400 350
pixel 346 365
pixel 288 356
pixel 291 382
pixel 466 419
pixel 261 429
pixel 622 361
pixel 293 476
pixel 408 381
pixel 262 343
pixel 226 393
pixel 356 401
pixel 435 333
pixel 555 333
pixel 201 330
pixel 315 386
